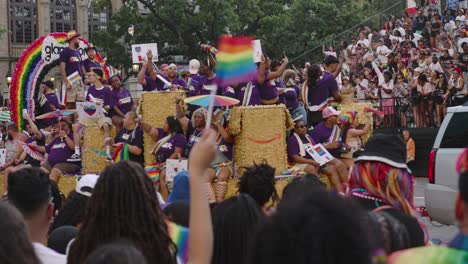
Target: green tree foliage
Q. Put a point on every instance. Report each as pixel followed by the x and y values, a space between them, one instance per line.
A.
pixel 292 26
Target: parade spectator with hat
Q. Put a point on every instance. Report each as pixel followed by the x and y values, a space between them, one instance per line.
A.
pixel 90 63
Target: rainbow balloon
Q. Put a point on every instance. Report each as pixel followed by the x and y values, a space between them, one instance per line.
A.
pixel 33 65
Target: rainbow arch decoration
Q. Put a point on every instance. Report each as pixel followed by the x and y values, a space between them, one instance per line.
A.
pixel 34 64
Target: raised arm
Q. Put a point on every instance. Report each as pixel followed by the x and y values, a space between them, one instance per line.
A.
pixel 151 131
pixel 183 120
pixel 149 65
pixel 378 72
pixel 261 71
pixel 202 154
pixel 279 72
pixel 33 126
pixel 141 75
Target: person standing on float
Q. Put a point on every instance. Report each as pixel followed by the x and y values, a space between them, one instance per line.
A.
pixel 70 62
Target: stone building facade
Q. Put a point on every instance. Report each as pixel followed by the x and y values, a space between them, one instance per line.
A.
pixel 26 20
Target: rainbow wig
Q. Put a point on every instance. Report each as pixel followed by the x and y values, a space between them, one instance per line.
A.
pixel 347 119
pixel 392 185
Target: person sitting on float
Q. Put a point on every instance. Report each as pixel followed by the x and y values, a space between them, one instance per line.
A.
pixel 170 144
pixel 59 150
pixel 351 135
pixel 101 95
pixel 132 135
pixel 298 155
pixel 328 134
pixel 122 102
pixel 222 167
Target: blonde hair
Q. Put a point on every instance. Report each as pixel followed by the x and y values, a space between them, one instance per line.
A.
pixel 289 74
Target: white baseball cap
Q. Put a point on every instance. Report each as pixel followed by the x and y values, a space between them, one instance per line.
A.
pixel 194 66
pixel 85 185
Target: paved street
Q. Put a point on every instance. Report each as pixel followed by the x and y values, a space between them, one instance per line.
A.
pixel 436 230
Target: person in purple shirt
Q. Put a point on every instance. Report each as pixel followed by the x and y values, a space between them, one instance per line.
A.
pixel 298 155
pixel 252 89
pixel 321 86
pixel 48 102
pixel 70 62
pixel 267 85
pixel 290 96
pixel 170 144
pixel 121 102
pixel 194 67
pixel 101 95
pixel 328 134
pixel 208 76
pixel 90 63
pixel 59 150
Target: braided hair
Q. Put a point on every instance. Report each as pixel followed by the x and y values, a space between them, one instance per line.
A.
pixel 124 206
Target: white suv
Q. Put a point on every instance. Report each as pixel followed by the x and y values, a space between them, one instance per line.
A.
pixel 452 138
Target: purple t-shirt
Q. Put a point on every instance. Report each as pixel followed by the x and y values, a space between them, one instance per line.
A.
pixel 229 92
pixel 103 94
pixel 205 82
pixel 324 89
pixel 89 65
pixel 151 84
pixel 30 160
pixel 321 134
pixel 294 149
pixel 196 77
pixel 254 97
pixel 166 150
pixel 123 100
pixel 52 99
pixel 290 97
pixel 59 151
pixel 193 86
pixel 269 89
pixel 72 60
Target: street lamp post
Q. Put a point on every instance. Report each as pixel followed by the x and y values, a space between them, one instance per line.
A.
pixel 136 69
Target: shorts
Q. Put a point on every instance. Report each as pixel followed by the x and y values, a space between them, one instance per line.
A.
pixel 100 122
pixel 75 94
pixel 219 166
pixel 63 167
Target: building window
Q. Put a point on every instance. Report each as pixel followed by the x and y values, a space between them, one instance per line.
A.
pixel 97 20
pixel 23 17
pixel 62 15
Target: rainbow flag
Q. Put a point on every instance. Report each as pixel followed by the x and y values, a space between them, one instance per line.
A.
pixel 379 114
pixel 235 60
pixel 153 170
pixel 210 48
pixel 121 153
pixel 180 236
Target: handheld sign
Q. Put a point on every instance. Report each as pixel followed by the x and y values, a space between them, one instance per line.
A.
pixel 257 49
pixel 139 52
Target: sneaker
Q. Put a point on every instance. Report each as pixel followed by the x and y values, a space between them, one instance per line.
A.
pixel 74 158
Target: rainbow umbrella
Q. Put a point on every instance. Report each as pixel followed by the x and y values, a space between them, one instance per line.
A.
pixel 56 114
pixel 31 152
pixel 204 100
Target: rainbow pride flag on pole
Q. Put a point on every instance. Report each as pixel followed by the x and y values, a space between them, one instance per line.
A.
pixel 235 60
pixel 121 153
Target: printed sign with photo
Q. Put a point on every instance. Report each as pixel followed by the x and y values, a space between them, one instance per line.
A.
pixel 319 153
pixel 173 167
pixel 139 52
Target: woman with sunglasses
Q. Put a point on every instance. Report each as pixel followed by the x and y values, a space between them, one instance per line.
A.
pixel 401 96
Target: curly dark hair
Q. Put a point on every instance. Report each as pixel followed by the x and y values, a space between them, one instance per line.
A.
pixel 73 211
pixel 258 181
pixel 311 231
pixel 15 247
pixel 124 206
pixel 300 187
pixel 234 222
